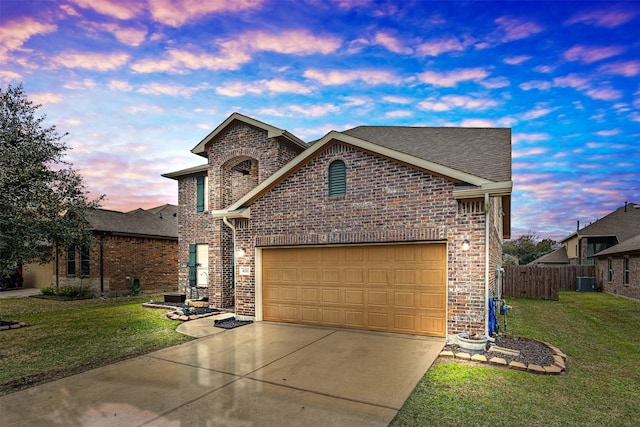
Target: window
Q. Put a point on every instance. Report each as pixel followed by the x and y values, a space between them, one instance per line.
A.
pixel 337 179
pixel 71 260
pixel 202 194
pixel 192 265
pixel 626 270
pixel 610 267
pixel 84 260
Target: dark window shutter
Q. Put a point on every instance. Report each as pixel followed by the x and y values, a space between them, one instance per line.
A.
pixel 337 179
pixel 200 193
pixel 192 265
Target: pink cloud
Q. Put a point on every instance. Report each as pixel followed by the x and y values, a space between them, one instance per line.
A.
pixel 624 68
pixel 91 60
pixel 236 89
pixel 131 36
pixel 588 55
pixel 121 9
pixel 45 98
pixel 516 29
pixel 390 42
pixel 14 34
pixel 339 77
pixel 453 77
pixel 609 18
pixel 536 84
pixel 399 114
pixel 604 94
pixel 296 42
pixel 439 46
pixel 515 60
pixel 179 61
pixel 449 102
pixel 177 12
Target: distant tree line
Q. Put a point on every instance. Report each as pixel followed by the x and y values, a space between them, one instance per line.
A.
pixel 526 248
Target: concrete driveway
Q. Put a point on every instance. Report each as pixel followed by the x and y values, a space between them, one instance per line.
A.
pixel 262 374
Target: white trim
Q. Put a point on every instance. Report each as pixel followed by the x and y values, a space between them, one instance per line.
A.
pixel 503 188
pixel 243 213
pixel 257 268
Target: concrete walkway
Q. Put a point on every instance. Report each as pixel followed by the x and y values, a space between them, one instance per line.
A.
pixel 262 374
pixel 19 293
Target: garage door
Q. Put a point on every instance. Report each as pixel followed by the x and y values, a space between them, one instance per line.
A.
pixel 391 288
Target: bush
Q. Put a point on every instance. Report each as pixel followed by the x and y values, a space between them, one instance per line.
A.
pixel 68 292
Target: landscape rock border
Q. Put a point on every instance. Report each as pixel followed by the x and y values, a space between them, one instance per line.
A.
pixel 558 367
pixel 7 325
pixel 176 315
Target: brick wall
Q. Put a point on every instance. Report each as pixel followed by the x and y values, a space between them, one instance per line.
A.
pixel 153 261
pixel 240 146
pixel 385 202
pixel 617 286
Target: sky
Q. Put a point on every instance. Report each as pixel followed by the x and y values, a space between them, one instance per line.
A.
pixel 137 84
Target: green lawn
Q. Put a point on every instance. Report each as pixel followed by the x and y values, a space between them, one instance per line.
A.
pixel 70 336
pixel 600 334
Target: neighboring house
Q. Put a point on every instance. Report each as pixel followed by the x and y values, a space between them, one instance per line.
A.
pixel 557 257
pixel 382 228
pixel 620 268
pixel 616 227
pixel 129 250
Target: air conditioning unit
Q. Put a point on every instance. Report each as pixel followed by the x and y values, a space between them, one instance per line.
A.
pixel 585 284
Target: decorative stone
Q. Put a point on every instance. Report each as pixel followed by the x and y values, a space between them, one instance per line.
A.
pixel 462 355
pixel 479 358
pixel 552 370
pixel 183 318
pixel 498 361
pixel 4 327
pixel 15 326
pixel 446 353
pixel 518 366
pixel 559 362
pixel 536 369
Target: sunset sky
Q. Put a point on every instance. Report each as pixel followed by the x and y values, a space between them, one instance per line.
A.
pixel 137 84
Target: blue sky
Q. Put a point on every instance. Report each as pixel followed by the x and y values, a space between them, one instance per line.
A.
pixel 137 84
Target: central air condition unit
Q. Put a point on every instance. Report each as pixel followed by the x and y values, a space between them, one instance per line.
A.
pixel 585 284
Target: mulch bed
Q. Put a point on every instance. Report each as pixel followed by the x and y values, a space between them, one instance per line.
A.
pixel 531 352
pixel 230 323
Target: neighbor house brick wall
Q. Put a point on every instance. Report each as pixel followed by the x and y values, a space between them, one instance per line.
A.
pixel 385 202
pixel 152 260
pixel 243 144
pixel 617 286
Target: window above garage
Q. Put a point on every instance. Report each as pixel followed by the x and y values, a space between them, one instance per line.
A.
pixel 337 179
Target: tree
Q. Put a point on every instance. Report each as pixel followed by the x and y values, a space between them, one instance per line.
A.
pixel 527 248
pixel 43 199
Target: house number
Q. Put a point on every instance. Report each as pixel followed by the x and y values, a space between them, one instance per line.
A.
pixel 245 271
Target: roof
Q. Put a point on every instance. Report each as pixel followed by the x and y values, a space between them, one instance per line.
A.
pixel 558 256
pixel 623 223
pixel 484 152
pixel 195 170
pixel 272 132
pixel 161 221
pixel 480 184
pixel 628 246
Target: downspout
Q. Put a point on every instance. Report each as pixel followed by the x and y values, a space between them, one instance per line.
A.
pixel 233 261
pixel 487 212
pixel 101 264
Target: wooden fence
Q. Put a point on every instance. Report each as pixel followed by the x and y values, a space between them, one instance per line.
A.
pixel 542 281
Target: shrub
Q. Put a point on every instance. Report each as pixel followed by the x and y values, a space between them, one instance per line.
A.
pixel 49 291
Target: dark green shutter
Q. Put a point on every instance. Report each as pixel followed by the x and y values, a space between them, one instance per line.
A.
pixel 337 179
pixel 200 193
pixel 192 265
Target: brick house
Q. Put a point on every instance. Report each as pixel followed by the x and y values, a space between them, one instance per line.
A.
pixel 395 229
pixel 620 267
pixel 137 248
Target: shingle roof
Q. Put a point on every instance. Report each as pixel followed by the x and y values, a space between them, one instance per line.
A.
pixel 629 245
pixel 484 152
pixel 161 221
pixel 624 223
pixel 556 257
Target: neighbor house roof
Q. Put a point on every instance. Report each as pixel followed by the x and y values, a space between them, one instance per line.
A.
pixel 484 152
pixel 558 256
pixel 195 170
pixel 623 223
pixel 161 221
pixel 628 246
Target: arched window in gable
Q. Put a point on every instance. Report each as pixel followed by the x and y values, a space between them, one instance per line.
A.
pixel 337 179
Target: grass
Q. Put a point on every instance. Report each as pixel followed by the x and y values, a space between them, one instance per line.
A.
pixel 600 335
pixel 66 337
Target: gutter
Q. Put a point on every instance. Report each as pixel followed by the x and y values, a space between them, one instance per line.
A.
pixel 487 211
pixel 233 261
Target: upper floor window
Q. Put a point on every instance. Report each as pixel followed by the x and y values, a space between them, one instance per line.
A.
pixel 202 194
pixel 337 179
pixel 626 270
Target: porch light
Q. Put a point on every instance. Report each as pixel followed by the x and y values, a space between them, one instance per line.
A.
pixel 466 245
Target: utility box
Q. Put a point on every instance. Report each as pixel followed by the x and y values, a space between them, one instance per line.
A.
pixel 585 284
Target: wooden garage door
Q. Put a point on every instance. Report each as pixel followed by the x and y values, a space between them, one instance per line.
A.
pixel 391 288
